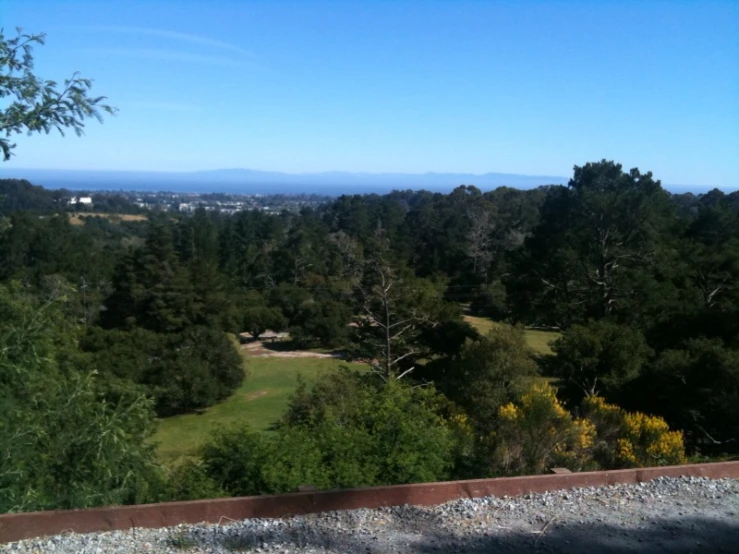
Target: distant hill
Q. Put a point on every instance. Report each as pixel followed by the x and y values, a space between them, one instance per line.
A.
pixel 252 181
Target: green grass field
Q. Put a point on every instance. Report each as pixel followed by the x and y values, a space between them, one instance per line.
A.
pixel 539 341
pixel 263 397
pixel 260 401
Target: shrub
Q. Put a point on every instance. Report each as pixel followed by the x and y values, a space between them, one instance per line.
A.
pixel 632 439
pixel 537 432
pixel 63 444
pixel 190 481
pixel 391 434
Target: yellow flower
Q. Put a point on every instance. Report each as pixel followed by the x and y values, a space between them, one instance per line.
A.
pixel 509 412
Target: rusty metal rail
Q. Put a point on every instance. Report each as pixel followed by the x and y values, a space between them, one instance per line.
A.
pixel 21 526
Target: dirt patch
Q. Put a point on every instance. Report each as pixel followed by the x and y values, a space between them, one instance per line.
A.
pixel 254 395
pixel 79 219
pixel 259 349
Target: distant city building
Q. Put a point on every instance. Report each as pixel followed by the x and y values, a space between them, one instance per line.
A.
pixel 87 200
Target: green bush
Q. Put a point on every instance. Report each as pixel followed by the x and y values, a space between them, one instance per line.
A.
pixel 190 481
pixel 183 371
pixel 383 435
pixel 63 444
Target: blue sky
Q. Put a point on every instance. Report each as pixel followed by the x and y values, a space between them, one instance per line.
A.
pixel 455 86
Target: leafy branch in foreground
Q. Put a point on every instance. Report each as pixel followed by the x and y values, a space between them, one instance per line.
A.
pixel 38 104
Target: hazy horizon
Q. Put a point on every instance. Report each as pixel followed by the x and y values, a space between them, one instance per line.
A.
pixel 252 181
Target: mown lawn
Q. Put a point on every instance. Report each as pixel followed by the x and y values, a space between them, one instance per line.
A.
pixel 263 397
pixel 539 341
pixel 260 401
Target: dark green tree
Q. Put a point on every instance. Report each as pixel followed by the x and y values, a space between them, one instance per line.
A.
pixel 598 251
pixel 488 373
pixel 183 371
pixel 597 359
pixel 695 387
pixel 151 288
pixel 258 319
pixel 323 323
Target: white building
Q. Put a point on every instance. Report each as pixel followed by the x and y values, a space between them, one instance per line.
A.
pixel 87 200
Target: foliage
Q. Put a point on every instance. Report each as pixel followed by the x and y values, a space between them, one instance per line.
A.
pixel 183 371
pixel 695 388
pixel 19 194
pixel 289 299
pixel 491 301
pixel 62 443
pixel 258 319
pixel 323 324
pixel 395 433
pixel 627 439
pixel 597 358
pixel 598 251
pixel 488 373
pixel 641 284
pixel 35 104
pixel 536 432
pixel 333 394
pixel 234 460
pixel 387 435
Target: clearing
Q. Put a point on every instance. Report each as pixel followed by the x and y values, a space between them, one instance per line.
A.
pixel 539 341
pixel 263 397
pixel 260 401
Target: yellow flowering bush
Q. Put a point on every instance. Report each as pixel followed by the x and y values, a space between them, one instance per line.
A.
pixel 631 439
pixel 538 432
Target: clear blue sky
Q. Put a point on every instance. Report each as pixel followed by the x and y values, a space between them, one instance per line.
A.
pixel 379 86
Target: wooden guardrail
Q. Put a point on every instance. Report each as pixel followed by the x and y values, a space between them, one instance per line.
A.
pixel 14 527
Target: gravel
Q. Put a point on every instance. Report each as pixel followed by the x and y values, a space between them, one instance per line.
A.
pixel 666 515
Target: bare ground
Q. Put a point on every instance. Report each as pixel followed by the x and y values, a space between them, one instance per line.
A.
pixel 265 349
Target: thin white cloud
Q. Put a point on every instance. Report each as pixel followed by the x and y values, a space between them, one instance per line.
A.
pixel 167 106
pixel 185 37
pixel 165 55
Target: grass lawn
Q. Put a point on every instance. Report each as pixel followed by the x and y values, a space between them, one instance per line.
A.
pixel 539 341
pixel 260 401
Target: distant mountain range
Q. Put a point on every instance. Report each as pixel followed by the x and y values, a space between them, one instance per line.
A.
pixel 249 181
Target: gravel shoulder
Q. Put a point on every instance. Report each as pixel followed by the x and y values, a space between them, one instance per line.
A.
pixel 665 515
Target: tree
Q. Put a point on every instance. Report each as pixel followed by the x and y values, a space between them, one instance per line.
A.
pixel 598 250
pixel 695 388
pixel 40 105
pixel 395 309
pixel 480 238
pixel 151 288
pixel 258 319
pixel 183 371
pixel 598 358
pixel 323 323
pixel 488 373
